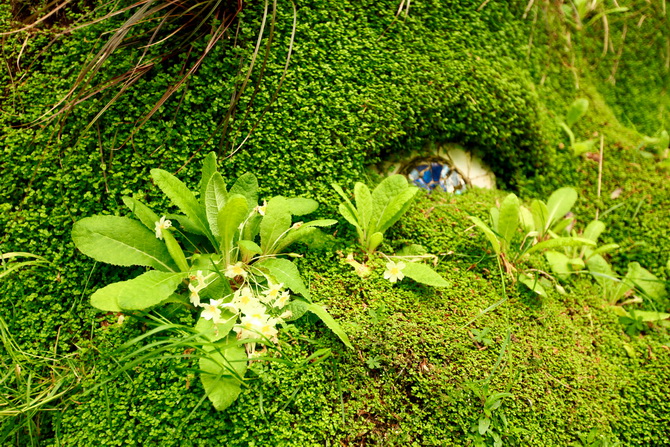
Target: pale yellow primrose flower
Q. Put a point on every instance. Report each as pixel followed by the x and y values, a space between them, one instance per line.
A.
pixel 394 271
pixel 272 293
pixel 194 297
pixel 261 208
pixel 236 270
pixel 254 326
pixel 211 311
pixel 244 301
pixel 282 300
pixel 162 225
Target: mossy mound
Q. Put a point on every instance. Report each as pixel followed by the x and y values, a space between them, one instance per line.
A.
pixel 362 84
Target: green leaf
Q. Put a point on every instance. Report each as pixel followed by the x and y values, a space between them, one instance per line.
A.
pixel 176 253
pixel 559 204
pixel 646 281
pixel 299 206
pixel 412 250
pixel 183 198
pixel 247 186
pixel 215 199
pixel 490 235
pixel 576 111
pixel 286 272
pixel 275 223
pixel 526 220
pixel 142 212
pixel 330 322
pixel 603 249
pixel 533 284
pixel 650 316
pixel 593 230
pixel 540 216
pixel 147 290
pixel 559 264
pixel 423 274
pixel 363 199
pixel 349 215
pixel 298 308
pixel 602 271
pixel 382 198
pixel 230 217
pixel 483 425
pixel 214 332
pixel 222 373
pixel 301 233
pixel 393 211
pixel 208 170
pixel 249 248
pixel 560 242
pixel 374 241
pixel 508 220
pixel 120 241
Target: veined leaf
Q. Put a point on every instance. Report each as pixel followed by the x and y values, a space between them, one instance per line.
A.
pixel 222 372
pixel 559 264
pixel 298 234
pixel 363 199
pixel 494 215
pixel 350 215
pixel 275 223
pixel 559 204
pixel 208 170
pixel 374 241
pixel 526 220
pixel 593 230
pixel 425 275
pixel 230 217
pixel 540 216
pixel 247 186
pixel 147 290
pixel 183 198
pixel 175 251
pixel 330 322
pixel 249 248
pixel 120 241
pixel 508 220
pixel 215 199
pixel 214 332
pixel 646 281
pixel 602 271
pixel 382 195
pixel 490 235
pixel 650 316
pixel 299 206
pixel 560 242
pixel 397 206
pixel 286 272
pixel 142 212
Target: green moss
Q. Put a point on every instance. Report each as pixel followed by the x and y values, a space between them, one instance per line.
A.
pixel 361 86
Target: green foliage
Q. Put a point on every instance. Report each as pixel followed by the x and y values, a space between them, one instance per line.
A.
pixel 229 225
pixel 373 213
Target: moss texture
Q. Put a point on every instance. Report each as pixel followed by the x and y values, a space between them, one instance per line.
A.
pixel 362 84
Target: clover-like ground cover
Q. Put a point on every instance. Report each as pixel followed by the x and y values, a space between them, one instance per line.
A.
pixel 358 88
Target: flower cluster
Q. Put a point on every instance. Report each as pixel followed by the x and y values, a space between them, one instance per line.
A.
pixel 257 309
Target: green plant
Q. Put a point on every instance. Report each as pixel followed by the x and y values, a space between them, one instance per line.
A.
pixel 540 226
pixel 229 257
pixel 374 213
pixel 575 113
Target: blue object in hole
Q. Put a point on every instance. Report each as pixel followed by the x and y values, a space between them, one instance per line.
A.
pixel 430 175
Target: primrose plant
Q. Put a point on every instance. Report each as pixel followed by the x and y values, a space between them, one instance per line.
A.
pixel 515 232
pixel 575 113
pixel 372 213
pixel 219 256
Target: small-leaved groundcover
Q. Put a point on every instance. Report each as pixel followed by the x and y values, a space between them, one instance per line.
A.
pixel 220 258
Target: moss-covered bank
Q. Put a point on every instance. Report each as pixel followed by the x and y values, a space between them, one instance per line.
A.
pixel 360 85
